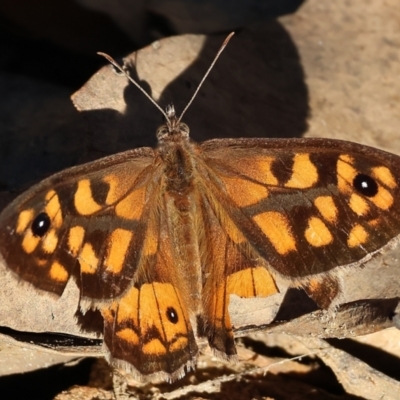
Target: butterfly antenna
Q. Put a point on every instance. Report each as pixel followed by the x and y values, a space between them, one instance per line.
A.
pixel 121 69
pixel 222 48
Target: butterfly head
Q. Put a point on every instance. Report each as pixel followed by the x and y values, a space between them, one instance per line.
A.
pixel 173 129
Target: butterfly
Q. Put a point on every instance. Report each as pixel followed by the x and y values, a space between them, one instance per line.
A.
pixel 157 240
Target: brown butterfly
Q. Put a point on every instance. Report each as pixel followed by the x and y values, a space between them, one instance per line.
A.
pixel 158 239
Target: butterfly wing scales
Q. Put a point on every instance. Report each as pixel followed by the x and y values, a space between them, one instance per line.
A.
pixel 148 330
pixel 267 209
pixel 298 206
pixel 110 228
pixel 78 203
pixel 230 266
pixel 256 209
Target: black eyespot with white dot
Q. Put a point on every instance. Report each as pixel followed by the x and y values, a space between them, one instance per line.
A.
pixel 172 315
pixel 365 185
pixel 40 224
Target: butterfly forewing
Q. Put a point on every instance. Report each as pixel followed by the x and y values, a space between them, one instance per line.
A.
pixel 307 206
pixel 87 222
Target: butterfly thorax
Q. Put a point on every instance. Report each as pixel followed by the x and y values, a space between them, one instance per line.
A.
pixel 177 156
pixel 176 151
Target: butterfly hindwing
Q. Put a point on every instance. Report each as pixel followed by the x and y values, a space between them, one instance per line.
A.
pixel 231 267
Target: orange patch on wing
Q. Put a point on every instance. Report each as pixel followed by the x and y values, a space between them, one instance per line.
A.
pixel 131 207
pixel 30 242
pixel 345 173
pixel 24 219
pixel 40 261
pixel 150 245
pixel 383 199
pixel 179 343
pixel 88 259
pixel 346 158
pixel 154 347
pixel 374 222
pixel 357 236
pixel 327 208
pixel 83 199
pixel 315 285
pixel 317 233
pixel 276 228
pixel 149 308
pixel 251 282
pixel 109 312
pixel 50 241
pixel 128 307
pixel 358 204
pixel 128 335
pixel 244 192
pixel 167 300
pixel 75 239
pixel 305 173
pixel 114 192
pixel 58 272
pixel 119 241
pixel 263 171
pixel 385 176
pixel 53 209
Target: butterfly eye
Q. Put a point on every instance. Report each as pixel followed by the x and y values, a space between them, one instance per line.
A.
pixel 40 224
pixel 162 131
pixel 172 315
pixel 365 185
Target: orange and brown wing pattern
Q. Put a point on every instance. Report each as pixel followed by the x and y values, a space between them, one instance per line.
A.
pixel 148 330
pixel 87 222
pixel 230 266
pixel 108 225
pixel 306 206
